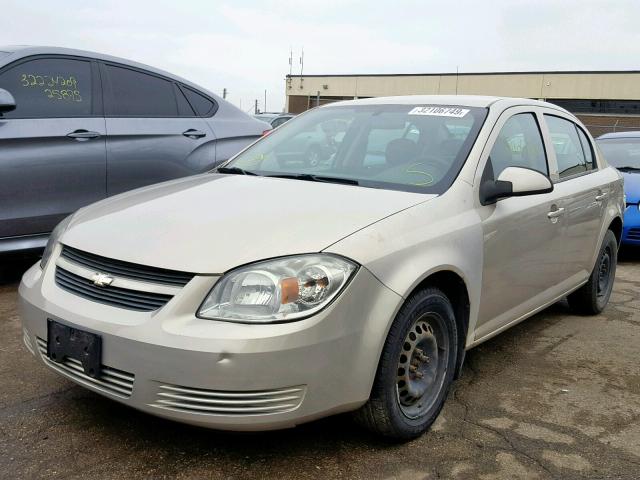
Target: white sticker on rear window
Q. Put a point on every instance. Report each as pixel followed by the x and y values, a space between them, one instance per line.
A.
pixel 440 111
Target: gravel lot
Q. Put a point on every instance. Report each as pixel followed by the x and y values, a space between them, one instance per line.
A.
pixel 557 396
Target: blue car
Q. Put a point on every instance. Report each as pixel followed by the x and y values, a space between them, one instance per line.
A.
pixel 622 150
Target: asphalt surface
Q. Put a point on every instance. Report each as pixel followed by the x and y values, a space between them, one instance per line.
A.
pixel 557 396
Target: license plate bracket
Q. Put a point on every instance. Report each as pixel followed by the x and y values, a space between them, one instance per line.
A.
pixel 68 342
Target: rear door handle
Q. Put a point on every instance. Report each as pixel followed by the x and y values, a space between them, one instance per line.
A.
pixel 192 133
pixel 601 197
pixel 556 213
pixel 83 135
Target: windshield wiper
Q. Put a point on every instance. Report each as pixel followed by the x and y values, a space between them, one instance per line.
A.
pixel 628 168
pixel 316 178
pixel 234 171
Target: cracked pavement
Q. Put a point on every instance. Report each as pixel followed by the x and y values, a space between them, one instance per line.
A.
pixel 557 396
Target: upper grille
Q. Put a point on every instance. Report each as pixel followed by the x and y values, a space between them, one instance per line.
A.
pixel 216 402
pixel 126 269
pixel 633 234
pixel 114 296
pixel 111 380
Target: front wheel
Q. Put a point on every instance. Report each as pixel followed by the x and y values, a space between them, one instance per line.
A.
pixel 416 368
pixel 593 296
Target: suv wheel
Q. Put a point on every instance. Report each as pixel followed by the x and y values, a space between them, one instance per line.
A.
pixel 593 296
pixel 416 368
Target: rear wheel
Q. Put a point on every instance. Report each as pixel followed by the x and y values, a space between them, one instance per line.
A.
pixel 592 297
pixel 416 368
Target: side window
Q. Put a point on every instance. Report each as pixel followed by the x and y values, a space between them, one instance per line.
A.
pixel 49 88
pixel 519 144
pixel 566 143
pixel 587 149
pixel 130 93
pixel 201 104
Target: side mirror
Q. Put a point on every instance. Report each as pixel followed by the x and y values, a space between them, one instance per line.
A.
pixel 7 102
pixel 514 182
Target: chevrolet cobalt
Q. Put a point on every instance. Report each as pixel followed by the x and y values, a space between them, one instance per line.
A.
pixel 274 291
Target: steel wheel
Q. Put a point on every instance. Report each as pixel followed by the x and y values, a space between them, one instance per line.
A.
pixel 422 365
pixel 604 274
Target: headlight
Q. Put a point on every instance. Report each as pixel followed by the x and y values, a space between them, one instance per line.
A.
pixel 53 240
pixel 280 290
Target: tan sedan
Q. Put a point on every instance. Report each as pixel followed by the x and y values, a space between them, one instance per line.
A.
pixel 276 290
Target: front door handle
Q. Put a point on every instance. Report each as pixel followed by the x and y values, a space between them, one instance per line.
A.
pixel 83 135
pixel 192 133
pixel 554 214
pixel 601 197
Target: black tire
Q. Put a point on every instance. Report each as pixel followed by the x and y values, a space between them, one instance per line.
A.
pixel 593 296
pixel 392 411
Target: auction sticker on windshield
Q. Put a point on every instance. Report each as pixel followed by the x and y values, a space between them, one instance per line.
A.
pixel 440 111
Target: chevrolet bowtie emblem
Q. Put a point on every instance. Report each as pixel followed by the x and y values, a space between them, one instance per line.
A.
pixel 101 280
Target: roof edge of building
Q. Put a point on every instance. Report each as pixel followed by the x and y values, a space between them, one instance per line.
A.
pixel 461 74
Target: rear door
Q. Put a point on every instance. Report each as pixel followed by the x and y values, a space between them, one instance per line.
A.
pixel 153 132
pixel 52 146
pixel 584 194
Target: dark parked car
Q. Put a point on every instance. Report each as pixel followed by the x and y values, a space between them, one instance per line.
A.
pixel 274 119
pixel 77 127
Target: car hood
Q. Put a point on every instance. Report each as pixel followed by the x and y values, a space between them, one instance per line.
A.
pixel 632 186
pixel 211 223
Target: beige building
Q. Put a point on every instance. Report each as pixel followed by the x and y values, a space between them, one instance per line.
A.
pixel 604 101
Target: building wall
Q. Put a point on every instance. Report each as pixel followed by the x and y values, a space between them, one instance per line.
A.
pixel 302 91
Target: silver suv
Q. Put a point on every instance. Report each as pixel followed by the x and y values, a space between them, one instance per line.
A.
pixel 353 284
pixel 77 127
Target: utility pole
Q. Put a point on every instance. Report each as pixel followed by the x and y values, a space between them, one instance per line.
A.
pixel 224 93
pixel 255 108
pixel 318 99
pixel 264 107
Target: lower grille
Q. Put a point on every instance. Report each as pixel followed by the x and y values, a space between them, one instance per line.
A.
pixel 633 234
pixel 111 380
pixel 114 296
pixel 212 402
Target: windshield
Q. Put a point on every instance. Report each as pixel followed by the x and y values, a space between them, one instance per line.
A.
pixel 621 152
pixel 418 148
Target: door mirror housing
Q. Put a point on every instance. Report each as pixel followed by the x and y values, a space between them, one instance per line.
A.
pixel 514 182
pixel 7 102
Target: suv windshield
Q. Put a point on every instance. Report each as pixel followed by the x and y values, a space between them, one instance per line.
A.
pixel 417 148
pixel 621 152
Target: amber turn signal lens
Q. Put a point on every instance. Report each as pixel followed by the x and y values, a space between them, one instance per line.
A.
pixel 289 289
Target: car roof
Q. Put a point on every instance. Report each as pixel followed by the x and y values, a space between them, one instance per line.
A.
pixel 466 100
pixel 20 51
pixel 633 134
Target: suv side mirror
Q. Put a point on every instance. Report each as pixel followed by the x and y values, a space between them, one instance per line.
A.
pixel 514 182
pixel 7 102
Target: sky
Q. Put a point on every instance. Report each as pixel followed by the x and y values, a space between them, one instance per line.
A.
pixel 244 46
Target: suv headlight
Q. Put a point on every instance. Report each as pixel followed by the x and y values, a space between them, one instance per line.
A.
pixel 280 290
pixel 53 240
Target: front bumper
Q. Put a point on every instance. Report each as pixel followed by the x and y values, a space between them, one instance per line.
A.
pixel 631 229
pixel 223 375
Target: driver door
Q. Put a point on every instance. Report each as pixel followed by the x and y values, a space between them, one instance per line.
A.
pixel 523 236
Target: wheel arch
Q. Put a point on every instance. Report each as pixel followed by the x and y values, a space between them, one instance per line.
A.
pixel 616 227
pixel 455 288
